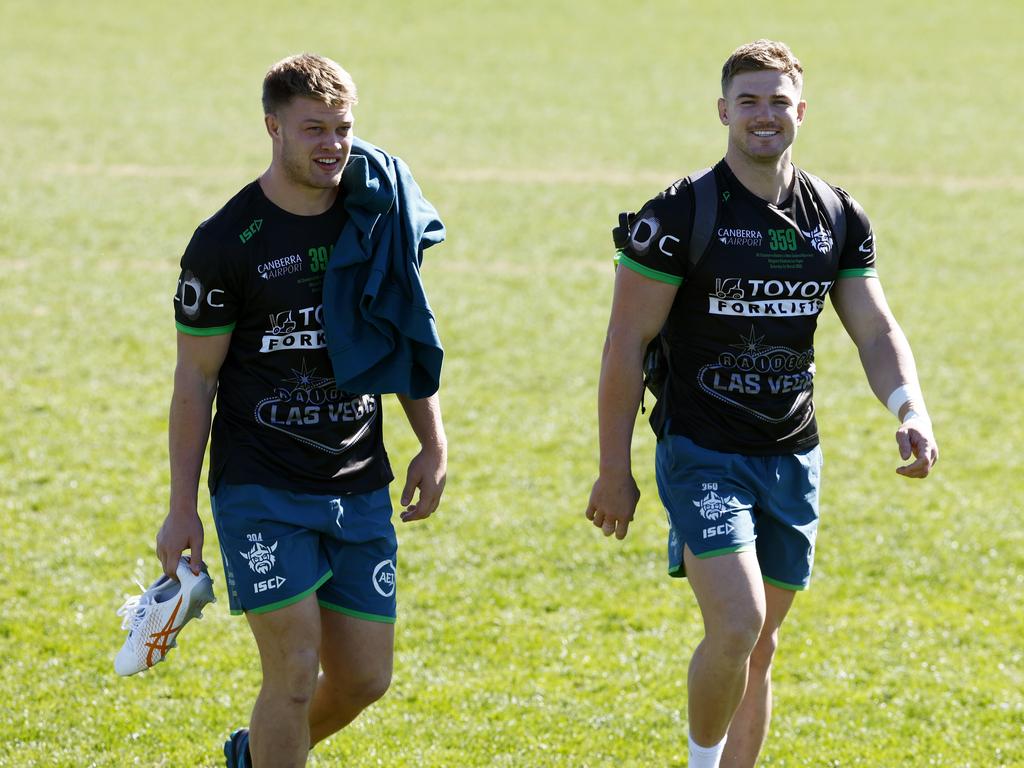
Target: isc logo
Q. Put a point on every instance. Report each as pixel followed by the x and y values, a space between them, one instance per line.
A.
pixel 271 583
pixel 717 530
pixel 246 234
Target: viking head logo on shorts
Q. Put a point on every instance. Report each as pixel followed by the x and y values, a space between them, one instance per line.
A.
pixel 261 558
pixel 711 507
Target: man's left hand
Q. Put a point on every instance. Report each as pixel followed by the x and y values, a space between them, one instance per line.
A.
pixel 427 471
pixel 916 438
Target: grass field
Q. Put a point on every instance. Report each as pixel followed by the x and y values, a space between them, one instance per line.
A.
pixel 524 638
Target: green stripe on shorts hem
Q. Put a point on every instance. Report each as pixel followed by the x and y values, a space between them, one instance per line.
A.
pixel 726 551
pixel 219 330
pixel 358 614
pixel 783 585
pixel 661 277
pixel 292 600
pixel 679 571
pixel 862 272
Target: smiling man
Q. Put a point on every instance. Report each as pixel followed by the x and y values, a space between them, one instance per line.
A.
pixel 732 267
pixel 298 471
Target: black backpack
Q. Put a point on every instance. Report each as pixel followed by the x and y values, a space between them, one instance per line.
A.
pixel 705 214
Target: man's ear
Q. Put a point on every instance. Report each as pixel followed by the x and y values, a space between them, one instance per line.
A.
pixel 273 125
pixel 723 113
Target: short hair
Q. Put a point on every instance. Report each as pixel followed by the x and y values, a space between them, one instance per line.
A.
pixel 307 74
pixel 762 55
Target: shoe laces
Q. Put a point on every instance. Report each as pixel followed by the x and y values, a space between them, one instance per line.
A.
pixel 135 610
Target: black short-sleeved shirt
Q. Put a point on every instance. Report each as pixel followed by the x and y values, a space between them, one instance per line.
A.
pixel 256 271
pixel 741 330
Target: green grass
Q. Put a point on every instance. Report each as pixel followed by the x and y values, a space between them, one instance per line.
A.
pixel 525 638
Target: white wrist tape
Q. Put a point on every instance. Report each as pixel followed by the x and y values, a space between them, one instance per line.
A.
pixel 912 414
pixel 900 396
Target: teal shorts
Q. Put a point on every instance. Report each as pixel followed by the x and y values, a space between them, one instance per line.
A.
pixel 719 503
pixel 279 546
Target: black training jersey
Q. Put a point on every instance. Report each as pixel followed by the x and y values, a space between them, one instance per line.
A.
pixel 741 330
pixel 256 271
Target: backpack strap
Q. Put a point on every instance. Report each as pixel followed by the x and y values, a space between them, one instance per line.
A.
pixel 834 209
pixel 705 210
pixel 705 213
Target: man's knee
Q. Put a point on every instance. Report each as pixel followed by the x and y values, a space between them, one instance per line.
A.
pixel 294 675
pixel 736 635
pixel 364 688
pixel 764 651
pixel 374 687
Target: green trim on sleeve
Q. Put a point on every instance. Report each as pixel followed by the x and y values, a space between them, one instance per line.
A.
pixel 358 614
pixel 219 330
pixel 860 272
pixel 661 277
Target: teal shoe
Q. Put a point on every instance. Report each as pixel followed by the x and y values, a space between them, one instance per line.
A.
pixel 236 749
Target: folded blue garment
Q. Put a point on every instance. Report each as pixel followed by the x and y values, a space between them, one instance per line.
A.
pixel 381 332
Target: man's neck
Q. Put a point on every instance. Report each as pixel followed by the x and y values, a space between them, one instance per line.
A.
pixel 770 180
pixel 295 198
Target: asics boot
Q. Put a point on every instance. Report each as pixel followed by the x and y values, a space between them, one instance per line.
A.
pixel 154 618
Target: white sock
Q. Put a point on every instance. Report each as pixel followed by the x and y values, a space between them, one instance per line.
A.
pixel 705 757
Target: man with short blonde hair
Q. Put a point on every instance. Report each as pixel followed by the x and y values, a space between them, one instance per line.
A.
pixel 308 75
pixel 298 470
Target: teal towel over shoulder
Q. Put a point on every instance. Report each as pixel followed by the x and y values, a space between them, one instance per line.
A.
pixel 381 332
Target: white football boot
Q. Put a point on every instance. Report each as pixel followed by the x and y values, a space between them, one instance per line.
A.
pixel 154 618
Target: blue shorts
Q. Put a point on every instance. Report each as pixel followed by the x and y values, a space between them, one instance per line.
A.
pixel 279 546
pixel 719 503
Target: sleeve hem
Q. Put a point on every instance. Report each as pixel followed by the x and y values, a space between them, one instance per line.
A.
pixel 661 277
pixel 860 272
pixel 219 330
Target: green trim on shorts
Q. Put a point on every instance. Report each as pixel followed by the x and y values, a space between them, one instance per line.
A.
pixel 861 272
pixel 661 277
pixel 726 551
pixel 357 614
pixel 290 600
pixel 679 571
pixel 219 330
pixel 782 584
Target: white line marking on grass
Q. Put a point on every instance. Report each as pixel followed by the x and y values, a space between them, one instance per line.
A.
pixel 553 176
